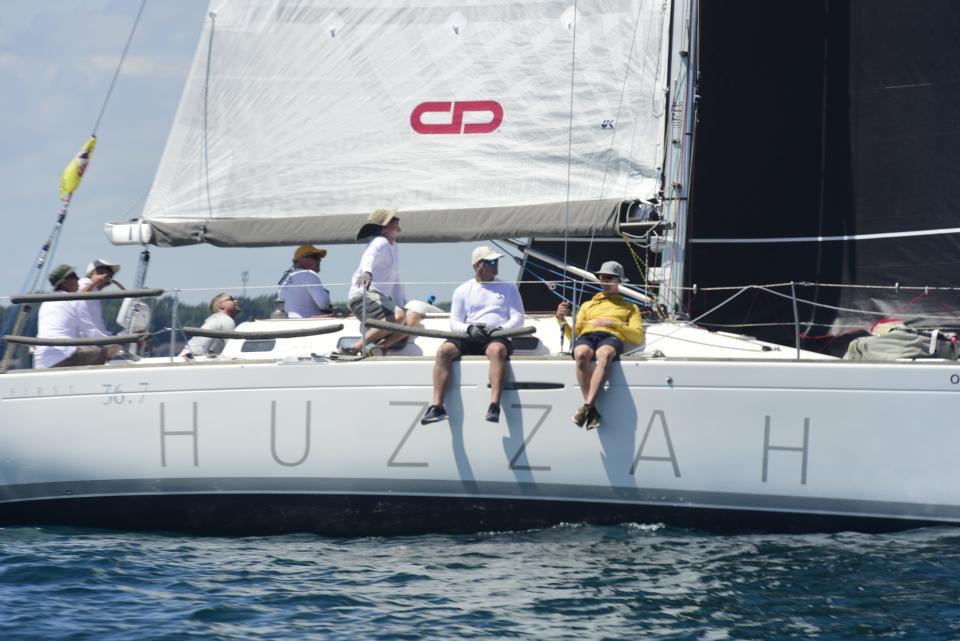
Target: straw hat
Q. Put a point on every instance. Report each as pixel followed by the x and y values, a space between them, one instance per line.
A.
pixel 376 221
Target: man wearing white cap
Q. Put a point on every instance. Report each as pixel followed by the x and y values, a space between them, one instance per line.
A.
pixel 604 323
pixel 100 273
pixel 301 289
pixel 479 306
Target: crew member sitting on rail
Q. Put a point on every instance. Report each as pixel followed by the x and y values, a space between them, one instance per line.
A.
pixel 301 289
pixel 482 304
pixel 66 319
pixel 377 291
pixel 604 323
pixel 225 310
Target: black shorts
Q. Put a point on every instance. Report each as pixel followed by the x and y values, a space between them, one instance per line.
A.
pixel 593 340
pixel 478 348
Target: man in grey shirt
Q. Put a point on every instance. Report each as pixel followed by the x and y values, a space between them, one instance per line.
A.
pixel 225 310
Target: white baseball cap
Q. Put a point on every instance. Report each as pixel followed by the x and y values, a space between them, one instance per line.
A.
pixel 483 253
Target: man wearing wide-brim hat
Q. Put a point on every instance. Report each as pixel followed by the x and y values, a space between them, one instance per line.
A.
pixel 100 273
pixel 377 291
pixel 301 289
pixel 65 319
pixel 604 323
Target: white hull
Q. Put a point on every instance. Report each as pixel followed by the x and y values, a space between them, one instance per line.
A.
pixel 776 442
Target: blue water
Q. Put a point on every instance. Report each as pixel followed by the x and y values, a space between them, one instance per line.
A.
pixel 569 582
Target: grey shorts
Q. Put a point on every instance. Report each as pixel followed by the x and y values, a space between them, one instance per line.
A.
pixel 377 305
pixel 85 355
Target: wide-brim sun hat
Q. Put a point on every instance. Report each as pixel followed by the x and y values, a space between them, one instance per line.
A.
pixel 93 265
pixel 60 274
pixel 483 252
pixel 308 250
pixel 376 221
pixel 612 268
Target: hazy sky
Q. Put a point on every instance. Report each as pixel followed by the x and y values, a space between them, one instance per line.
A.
pixel 56 61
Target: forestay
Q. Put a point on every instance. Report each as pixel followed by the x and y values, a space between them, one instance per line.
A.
pixel 300 116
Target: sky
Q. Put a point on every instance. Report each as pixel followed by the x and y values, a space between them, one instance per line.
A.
pixel 57 58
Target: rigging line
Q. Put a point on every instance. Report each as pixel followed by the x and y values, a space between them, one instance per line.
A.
pixel 623 90
pixel 691 322
pixel 206 103
pixel 821 204
pixel 123 56
pixel 566 225
pixel 855 311
pixel 821 239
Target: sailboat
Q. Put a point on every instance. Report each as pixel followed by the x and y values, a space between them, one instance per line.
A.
pixel 479 120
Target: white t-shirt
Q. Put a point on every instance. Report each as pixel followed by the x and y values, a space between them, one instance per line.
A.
pixel 204 345
pixel 496 304
pixel 382 260
pixel 304 295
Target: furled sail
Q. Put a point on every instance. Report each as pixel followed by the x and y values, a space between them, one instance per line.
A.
pixel 475 119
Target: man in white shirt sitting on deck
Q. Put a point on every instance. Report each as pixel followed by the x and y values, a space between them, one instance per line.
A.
pixel 67 319
pixel 479 306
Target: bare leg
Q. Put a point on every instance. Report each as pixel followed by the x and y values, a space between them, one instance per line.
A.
pixel 583 356
pixel 605 355
pixel 497 355
pixel 442 366
pixel 391 338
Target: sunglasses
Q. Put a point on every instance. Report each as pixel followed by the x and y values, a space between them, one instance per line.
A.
pixel 489 261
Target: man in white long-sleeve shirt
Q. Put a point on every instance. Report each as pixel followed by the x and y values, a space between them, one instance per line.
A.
pixel 376 290
pixel 67 319
pixel 479 306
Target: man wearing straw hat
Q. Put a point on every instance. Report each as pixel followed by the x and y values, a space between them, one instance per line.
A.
pixel 604 323
pixel 479 306
pixel 377 291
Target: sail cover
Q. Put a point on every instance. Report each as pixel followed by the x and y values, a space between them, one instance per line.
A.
pixel 475 119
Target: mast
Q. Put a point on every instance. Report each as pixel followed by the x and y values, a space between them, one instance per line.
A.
pixel 679 156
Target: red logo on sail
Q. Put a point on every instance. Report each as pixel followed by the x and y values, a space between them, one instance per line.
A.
pixel 456 124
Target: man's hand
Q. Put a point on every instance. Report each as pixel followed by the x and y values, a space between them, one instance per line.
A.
pixel 363 280
pixel 563 309
pixel 478 333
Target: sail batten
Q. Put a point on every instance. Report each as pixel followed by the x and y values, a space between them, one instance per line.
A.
pixel 305 115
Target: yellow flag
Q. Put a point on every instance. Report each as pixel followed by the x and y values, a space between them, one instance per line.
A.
pixel 70 179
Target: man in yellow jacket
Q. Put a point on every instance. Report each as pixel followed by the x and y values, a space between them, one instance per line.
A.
pixel 604 323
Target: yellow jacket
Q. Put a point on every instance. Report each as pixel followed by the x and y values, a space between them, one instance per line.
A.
pixel 628 325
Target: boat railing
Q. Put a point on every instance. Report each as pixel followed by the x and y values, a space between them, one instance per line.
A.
pixel 25 302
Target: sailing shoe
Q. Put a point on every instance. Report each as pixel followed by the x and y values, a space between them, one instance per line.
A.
pixel 433 414
pixel 593 420
pixel 493 413
pixel 580 416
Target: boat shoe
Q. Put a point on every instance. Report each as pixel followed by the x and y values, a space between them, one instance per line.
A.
pixel 593 419
pixel 580 416
pixel 493 413
pixel 433 414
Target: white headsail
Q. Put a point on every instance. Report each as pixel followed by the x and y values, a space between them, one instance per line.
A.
pixel 475 119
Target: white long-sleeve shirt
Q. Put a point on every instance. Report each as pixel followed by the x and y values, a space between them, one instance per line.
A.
pixel 91 314
pixel 304 295
pixel 57 319
pixel 382 260
pixel 496 304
